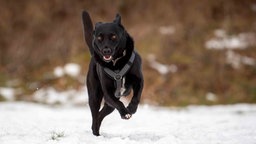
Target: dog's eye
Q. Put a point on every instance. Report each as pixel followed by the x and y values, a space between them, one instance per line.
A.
pixel 113 37
pixel 99 38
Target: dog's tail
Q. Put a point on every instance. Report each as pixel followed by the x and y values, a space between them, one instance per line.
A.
pixel 88 30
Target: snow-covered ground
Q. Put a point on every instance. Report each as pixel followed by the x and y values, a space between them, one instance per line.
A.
pixel 27 123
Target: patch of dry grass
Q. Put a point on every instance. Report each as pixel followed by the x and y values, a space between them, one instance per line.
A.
pixel 37 36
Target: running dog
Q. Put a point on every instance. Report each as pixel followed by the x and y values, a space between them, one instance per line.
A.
pixel 114 71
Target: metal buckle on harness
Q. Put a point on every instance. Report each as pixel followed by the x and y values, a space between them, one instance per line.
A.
pixel 118 77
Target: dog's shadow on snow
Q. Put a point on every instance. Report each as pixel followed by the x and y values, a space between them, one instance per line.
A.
pixel 146 136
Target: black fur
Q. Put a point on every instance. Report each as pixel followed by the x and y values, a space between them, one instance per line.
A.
pixel 110 46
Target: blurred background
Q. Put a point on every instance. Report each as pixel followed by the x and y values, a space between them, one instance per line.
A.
pixel 194 51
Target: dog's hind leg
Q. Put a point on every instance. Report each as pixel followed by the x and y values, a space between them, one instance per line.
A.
pixel 95 107
pixel 95 98
pixel 106 110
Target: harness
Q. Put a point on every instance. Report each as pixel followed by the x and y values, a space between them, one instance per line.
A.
pixel 117 75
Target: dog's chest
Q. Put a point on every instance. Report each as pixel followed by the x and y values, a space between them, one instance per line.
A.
pixel 118 77
pixel 123 89
pixel 120 82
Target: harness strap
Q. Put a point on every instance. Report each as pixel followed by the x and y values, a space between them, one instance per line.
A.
pixel 118 76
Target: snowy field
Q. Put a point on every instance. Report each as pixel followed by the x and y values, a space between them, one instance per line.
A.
pixel 27 123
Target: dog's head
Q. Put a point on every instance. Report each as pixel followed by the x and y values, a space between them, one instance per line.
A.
pixel 110 40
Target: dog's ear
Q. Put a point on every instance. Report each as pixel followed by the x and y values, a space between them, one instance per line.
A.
pixel 117 20
pixel 88 29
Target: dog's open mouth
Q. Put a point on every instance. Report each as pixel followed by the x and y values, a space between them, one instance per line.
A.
pixel 107 58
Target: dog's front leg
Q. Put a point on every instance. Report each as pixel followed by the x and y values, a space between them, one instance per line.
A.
pixel 137 88
pixel 114 102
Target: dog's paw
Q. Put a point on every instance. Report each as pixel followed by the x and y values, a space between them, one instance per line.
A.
pixel 96 133
pixel 127 116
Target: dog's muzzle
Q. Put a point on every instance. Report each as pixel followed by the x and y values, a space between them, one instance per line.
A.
pixel 107 54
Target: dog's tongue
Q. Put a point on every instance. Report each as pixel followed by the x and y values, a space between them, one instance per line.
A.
pixel 107 58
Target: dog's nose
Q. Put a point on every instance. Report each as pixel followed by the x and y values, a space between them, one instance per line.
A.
pixel 106 51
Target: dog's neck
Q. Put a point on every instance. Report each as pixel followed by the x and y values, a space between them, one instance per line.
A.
pixel 115 60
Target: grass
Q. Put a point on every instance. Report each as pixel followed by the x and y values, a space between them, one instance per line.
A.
pixel 42 38
pixel 2 98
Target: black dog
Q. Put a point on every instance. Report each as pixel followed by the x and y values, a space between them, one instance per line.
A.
pixel 114 70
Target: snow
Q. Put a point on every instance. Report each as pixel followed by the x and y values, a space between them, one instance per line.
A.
pixel 161 68
pixel 7 93
pixel 51 96
pixel 211 97
pixel 58 71
pixel 70 69
pixel 22 122
pixel 166 30
pixel 236 60
pixel 230 43
pixel 223 41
